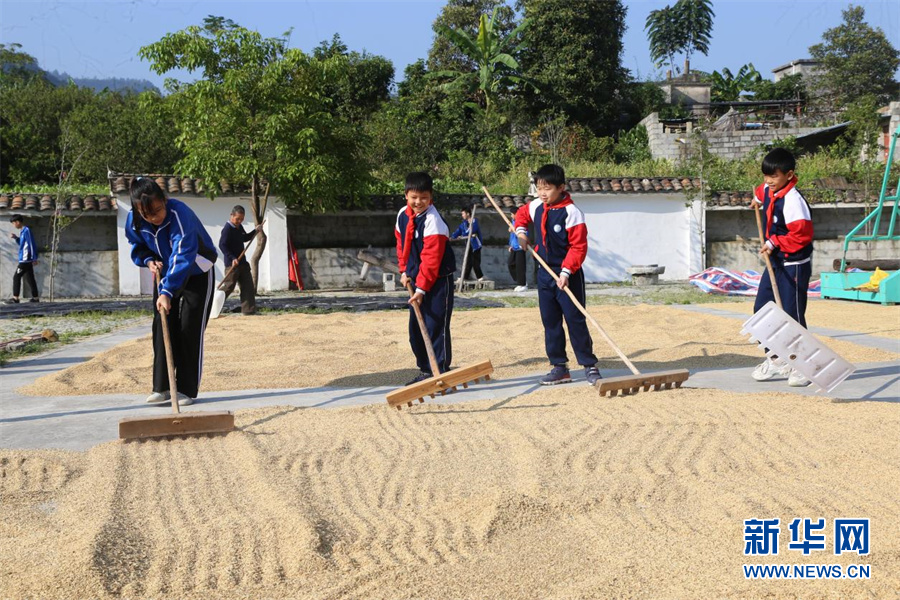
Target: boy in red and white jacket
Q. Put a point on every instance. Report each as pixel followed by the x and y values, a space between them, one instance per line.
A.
pixel 788 234
pixel 561 240
pixel 426 261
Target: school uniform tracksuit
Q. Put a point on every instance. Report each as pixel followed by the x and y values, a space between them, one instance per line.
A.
pixel 474 260
pixel 788 230
pixel 422 254
pixel 187 252
pixel 561 240
pixel 25 269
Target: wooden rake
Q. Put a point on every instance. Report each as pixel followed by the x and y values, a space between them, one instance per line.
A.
pixel 626 384
pixel 439 383
pixel 177 423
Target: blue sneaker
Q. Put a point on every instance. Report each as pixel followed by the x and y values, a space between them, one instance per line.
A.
pixel 422 376
pixel 592 374
pixel 559 374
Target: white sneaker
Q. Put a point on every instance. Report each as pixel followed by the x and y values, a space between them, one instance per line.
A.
pixel 157 397
pixel 184 400
pixel 521 288
pixel 796 379
pixel 481 279
pixel 769 369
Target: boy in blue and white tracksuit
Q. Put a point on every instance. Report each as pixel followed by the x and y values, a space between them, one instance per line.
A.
pixel 168 238
pixel 27 257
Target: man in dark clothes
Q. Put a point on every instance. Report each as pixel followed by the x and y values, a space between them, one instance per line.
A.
pixel 231 243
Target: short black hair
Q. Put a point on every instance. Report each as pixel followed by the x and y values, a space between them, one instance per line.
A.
pixel 143 192
pixel 17 219
pixel 552 174
pixel 420 181
pixel 238 210
pixel 778 159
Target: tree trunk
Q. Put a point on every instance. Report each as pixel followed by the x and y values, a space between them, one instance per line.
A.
pixel 258 205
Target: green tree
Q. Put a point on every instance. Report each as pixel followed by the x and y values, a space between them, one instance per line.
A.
pixel 728 87
pixel 680 29
pixel 573 53
pixel 465 16
pixel 665 35
pixel 258 115
pixel 17 66
pixel 493 56
pixel 790 87
pixel 33 115
pixel 367 82
pixel 696 19
pixel 124 132
pixel 857 60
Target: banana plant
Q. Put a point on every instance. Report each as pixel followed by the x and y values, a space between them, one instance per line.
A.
pixel 727 87
pixel 494 56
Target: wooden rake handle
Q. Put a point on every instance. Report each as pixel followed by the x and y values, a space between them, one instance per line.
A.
pixel 432 359
pixel 769 268
pixel 575 301
pixel 170 358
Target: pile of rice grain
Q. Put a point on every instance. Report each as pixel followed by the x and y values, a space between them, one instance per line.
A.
pixel 372 349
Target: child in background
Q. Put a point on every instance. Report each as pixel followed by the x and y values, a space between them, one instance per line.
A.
pixel 167 237
pixel 474 259
pixel 561 240
pixel 788 235
pixel 427 263
pixel 516 260
pixel 27 258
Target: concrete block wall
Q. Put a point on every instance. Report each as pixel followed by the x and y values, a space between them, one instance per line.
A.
pixel 328 268
pixel 84 274
pixel 733 239
pixel 741 256
pixel 726 144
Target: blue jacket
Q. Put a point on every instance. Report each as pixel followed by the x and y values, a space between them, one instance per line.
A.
pixel 422 251
pixel 27 249
pixel 181 243
pixel 514 241
pixel 463 231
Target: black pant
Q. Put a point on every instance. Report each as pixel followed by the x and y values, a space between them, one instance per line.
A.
pixel 516 264
pixel 474 262
pixel 437 308
pixel 555 305
pixel 242 275
pixel 187 324
pixel 25 270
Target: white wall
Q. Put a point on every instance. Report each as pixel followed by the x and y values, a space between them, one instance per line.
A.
pixel 639 230
pixel 273 266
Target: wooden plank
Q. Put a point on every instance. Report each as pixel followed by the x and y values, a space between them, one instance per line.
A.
pixel 634 383
pixel 180 424
pixel 885 264
pixel 439 383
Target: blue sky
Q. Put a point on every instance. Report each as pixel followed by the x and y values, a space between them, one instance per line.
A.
pixel 101 39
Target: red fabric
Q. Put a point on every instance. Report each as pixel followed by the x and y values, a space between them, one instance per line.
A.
pixel 523 217
pixel 578 247
pixel 430 261
pixel 294 266
pixel 404 248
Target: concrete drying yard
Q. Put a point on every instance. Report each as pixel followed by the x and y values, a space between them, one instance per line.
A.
pixel 504 490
